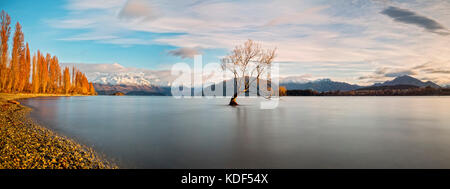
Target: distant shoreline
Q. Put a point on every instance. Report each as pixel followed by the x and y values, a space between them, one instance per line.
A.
pixel 397 90
pixel 28 145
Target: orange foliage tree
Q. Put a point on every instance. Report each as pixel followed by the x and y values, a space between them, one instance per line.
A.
pixel 46 75
pixel 5 32
pixel 16 55
pixel 282 91
pixel 67 85
pixel 35 76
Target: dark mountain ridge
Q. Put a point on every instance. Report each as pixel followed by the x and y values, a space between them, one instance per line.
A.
pixel 327 85
pixel 322 85
pixel 407 80
pixel 388 87
pixel 145 90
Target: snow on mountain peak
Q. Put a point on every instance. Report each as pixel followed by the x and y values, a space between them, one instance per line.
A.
pixel 116 74
pixel 294 79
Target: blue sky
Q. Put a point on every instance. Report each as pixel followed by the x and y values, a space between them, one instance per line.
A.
pixel 35 19
pixel 360 41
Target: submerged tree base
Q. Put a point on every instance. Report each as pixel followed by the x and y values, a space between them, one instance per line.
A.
pixel 233 102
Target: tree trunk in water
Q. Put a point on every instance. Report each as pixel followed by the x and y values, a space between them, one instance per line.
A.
pixel 233 100
pixel 257 87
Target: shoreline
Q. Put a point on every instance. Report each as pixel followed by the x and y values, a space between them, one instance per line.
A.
pixel 27 145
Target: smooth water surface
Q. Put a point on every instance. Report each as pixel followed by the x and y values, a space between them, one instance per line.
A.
pixel 303 132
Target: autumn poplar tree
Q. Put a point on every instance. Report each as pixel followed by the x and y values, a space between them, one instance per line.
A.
pixel 66 78
pixel 5 32
pixel 27 67
pixel 24 70
pixel 46 75
pixel 54 75
pixel 35 76
pixel 92 89
pixel 17 52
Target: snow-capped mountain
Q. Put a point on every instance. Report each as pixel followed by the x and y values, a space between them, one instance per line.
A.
pixel 127 78
pixel 108 89
pixel 116 74
pixel 293 79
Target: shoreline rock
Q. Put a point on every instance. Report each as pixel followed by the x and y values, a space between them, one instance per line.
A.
pixel 27 145
pixel 13 102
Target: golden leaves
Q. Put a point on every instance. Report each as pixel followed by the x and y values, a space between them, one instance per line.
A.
pixel 46 72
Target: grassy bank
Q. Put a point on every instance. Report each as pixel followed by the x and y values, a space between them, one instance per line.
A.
pixel 27 145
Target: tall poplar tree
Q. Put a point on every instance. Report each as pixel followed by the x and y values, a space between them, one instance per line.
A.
pixel 5 32
pixel 16 54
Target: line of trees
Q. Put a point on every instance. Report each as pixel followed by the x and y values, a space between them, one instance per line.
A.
pixel 40 74
pixel 412 91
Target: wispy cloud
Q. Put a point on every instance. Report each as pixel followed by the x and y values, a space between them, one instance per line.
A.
pixel 185 52
pixel 438 72
pixel 311 33
pixel 137 9
pixel 81 5
pixel 410 17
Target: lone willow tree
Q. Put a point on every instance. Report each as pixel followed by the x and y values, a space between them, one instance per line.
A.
pixel 248 63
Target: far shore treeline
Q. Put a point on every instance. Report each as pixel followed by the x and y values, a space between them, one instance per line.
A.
pixel 19 73
pixel 398 90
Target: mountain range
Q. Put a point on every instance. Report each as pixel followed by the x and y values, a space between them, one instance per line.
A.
pixel 322 85
pixel 145 90
pixel 407 80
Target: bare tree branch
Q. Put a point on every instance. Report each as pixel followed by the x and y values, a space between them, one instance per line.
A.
pixel 248 61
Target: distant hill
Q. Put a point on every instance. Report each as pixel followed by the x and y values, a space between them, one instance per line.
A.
pixel 400 86
pixel 389 87
pixel 107 89
pixel 322 85
pixel 407 80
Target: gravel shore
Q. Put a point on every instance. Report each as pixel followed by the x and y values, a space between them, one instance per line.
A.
pixel 27 145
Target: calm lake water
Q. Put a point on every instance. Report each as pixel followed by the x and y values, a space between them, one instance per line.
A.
pixel 303 132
